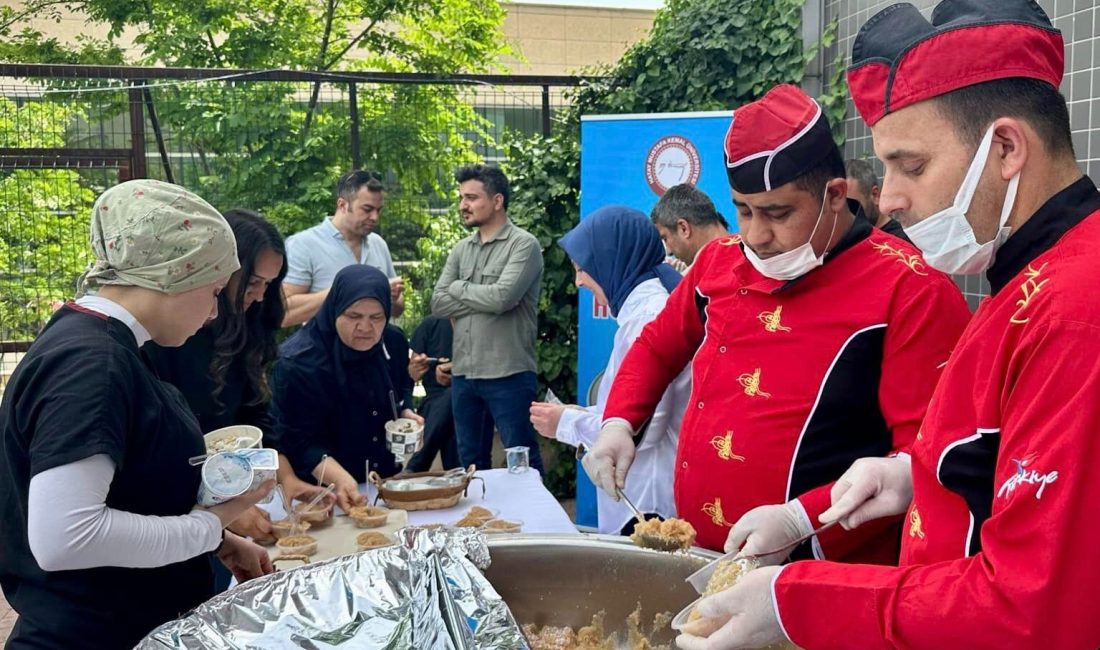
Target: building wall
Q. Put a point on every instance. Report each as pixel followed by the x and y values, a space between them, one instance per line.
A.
pixel 1079 21
pixel 550 39
pixel 561 40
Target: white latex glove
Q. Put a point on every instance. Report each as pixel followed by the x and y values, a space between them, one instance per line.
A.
pixel 742 616
pixel 610 458
pixel 769 527
pixel 871 488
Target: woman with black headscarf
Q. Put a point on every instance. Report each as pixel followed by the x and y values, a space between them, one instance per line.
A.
pixel 339 380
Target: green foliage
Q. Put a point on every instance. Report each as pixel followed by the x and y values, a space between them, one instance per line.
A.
pixel 834 101
pixel 279 147
pixel 43 236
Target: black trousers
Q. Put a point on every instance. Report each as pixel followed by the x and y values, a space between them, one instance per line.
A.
pixel 439 433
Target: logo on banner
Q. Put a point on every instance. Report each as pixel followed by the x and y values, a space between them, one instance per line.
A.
pixel 672 160
pixel 600 311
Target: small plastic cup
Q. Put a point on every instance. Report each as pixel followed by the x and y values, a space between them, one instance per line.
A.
pixel 518 459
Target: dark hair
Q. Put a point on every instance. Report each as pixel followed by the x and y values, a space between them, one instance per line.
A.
pixel 862 171
pixel 249 334
pixel 972 109
pixel 687 202
pixel 816 177
pixel 491 177
pixel 350 184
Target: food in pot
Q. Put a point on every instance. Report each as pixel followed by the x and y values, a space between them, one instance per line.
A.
pixel 367 541
pixel 675 532
pixel 369 516
pixel 594 635
pixel 474 517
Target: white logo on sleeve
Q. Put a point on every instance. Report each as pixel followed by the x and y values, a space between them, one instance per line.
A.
pixel 1026 474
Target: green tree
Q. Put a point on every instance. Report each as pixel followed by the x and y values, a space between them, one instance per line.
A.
pixel 44 224
pixel 279 147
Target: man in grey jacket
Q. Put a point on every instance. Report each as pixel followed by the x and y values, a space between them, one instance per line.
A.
pixel 490 290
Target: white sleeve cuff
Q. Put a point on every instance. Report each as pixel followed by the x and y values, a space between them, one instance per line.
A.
pixel 775 604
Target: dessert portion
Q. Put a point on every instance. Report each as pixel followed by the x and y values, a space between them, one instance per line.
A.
pixel 369 516
pixel 671 534
pixel 369 540
pixel 475 517
pixel 298 545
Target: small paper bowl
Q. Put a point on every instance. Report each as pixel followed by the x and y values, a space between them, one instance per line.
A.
pixel 297 545
pixel 369 516
pixel 238 436
pixel 500 526
pixel 368 541
pixel 281 528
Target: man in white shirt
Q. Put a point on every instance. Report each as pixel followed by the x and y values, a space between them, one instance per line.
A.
pixel 315 255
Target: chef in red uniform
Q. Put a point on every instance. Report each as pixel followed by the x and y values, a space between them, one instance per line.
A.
pixel 1000 494
pixel 814 340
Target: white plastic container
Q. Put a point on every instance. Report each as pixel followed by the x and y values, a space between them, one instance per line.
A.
pixel 233 438
pixel 404 437
pixel 224 476
pixel 265 467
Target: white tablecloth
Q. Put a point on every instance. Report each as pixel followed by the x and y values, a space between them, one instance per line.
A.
pixel 514 496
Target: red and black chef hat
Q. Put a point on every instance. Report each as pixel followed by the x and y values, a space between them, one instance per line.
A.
pixel 776 139
pixel 899 58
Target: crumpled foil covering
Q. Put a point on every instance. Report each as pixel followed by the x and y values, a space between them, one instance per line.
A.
pixel 426 592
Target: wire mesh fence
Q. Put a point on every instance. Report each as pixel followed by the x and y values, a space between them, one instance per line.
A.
pixel 273 141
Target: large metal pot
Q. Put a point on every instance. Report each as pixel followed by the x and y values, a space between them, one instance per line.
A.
pixel 566 579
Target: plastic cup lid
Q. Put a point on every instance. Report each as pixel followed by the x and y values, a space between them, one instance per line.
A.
pixel 227 474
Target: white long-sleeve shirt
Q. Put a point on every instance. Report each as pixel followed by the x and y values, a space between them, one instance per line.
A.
pixel 69 525
pixel 649 481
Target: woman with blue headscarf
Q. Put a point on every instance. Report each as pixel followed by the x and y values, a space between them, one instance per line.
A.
pixel 339 380
pixel 619 257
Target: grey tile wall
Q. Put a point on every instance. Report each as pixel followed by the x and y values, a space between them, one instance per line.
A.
pixel 1079 21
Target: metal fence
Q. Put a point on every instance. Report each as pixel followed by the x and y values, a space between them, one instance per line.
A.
pixel 273 139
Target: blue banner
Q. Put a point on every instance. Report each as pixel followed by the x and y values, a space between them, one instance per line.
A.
pixel 631 160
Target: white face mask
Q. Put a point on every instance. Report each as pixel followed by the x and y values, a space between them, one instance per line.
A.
pixel 796 262
pixel 946 238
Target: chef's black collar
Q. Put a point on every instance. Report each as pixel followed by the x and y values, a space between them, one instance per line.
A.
pixel 1063 211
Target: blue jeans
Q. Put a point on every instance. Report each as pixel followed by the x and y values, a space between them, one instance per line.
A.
pixel 479 404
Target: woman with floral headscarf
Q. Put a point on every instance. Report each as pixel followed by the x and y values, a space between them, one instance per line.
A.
pixel 102 540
